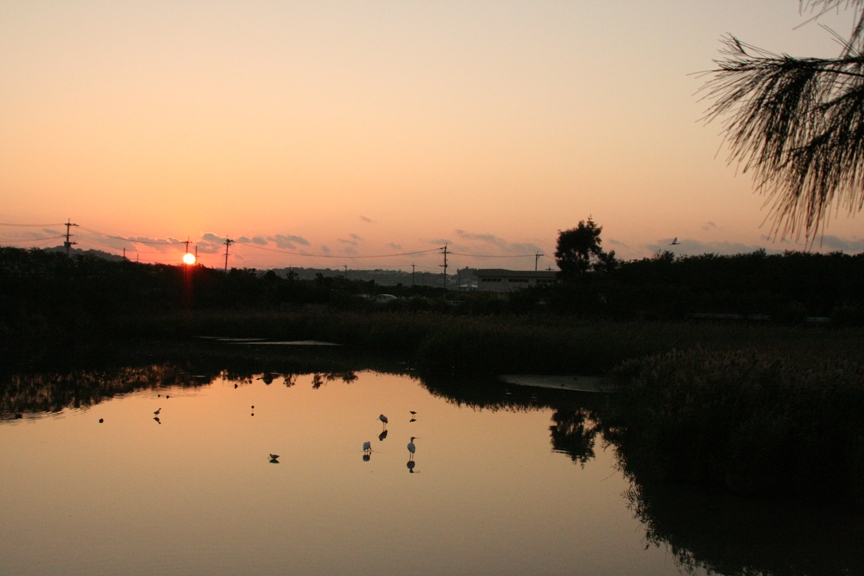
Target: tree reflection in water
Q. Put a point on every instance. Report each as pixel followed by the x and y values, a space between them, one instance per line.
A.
pixel 574 433
pixel 737 536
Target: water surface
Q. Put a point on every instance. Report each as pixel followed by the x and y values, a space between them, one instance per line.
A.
pixel 192 489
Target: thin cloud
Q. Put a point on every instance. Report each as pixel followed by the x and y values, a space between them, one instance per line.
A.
pixel 288 241
pixel 499 243
pixel 686 247
pixel 393 246
pixel 259 240
pixel 208 237
pixel 852 246
pixel 365 219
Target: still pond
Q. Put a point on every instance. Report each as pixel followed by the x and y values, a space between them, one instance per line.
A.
pixel 149 474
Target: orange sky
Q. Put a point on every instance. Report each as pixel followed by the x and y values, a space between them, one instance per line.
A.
pixel 352 130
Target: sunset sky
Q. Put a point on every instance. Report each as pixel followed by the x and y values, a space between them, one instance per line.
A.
pixel 370 134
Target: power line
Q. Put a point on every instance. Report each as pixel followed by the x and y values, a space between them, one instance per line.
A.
pixel 134 240
pixel 343 257
pixel 228 242
pixel 33 225
pixel 34 239
pixel 493 255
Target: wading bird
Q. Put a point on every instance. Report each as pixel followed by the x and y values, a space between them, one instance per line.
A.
pixel 411 449
pixel 158 410
pixel 383 419
pixel 274 458
pixel 367 447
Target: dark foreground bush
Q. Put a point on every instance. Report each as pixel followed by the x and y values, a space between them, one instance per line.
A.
pixel 749 421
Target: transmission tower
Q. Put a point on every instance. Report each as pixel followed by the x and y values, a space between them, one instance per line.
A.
pixel 536 258
pixel 68 244
pixel 228 242
pixel 444 251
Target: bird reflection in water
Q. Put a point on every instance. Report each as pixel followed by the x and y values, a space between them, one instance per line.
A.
pixel 156 418
pixel 382 435
pixel 410 464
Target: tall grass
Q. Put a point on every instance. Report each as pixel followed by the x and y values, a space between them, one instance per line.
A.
pixel 750 421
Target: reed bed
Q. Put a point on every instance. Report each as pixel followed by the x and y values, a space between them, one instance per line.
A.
pixel 747 420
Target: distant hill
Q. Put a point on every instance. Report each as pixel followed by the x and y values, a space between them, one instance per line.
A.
pixel 93 253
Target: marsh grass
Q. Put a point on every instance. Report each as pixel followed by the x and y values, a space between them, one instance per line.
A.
pixel 447 344
pixel 750 421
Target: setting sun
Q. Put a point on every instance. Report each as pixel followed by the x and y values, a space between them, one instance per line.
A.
pixel 189 259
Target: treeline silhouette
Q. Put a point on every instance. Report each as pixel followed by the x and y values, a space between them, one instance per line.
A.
pixel 788 288
pixel 42 289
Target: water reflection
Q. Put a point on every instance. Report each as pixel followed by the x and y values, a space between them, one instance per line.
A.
pixel 704 532
pixel 738 536
pixel 574 433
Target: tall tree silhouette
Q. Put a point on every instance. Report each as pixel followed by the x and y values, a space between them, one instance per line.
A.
pixel 579 250
pixel 797 124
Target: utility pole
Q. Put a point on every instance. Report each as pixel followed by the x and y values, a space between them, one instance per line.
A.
pixel 228 242
pixel 445 266
pixel 67 243
pixel 412 274
pixel 536 258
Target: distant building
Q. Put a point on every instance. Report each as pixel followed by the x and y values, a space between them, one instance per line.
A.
pixel 498 280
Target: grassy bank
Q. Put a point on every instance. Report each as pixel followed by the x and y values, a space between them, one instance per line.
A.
pixel 477 345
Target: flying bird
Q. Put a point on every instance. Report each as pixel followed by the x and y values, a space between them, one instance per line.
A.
pixel 674 242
